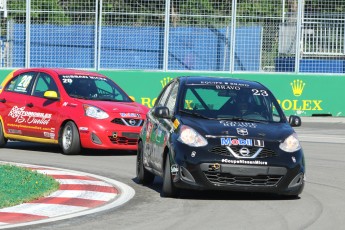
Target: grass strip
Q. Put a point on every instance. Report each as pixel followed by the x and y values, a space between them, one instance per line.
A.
pixel 19 185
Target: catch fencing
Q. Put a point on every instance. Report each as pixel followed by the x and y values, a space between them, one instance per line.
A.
pixel 175 35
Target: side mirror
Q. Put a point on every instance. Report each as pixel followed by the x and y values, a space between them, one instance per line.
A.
pixel 51 95
pixel 162 112
pixel 295 121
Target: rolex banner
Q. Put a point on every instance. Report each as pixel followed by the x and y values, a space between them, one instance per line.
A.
pixel 298 94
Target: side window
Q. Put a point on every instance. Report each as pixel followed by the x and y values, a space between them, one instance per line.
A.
pixel 172 98
pixel 21 83
pixel 190 101
pixel 44 83
pixel 204 99
pixel 271 111
pixel 275 114
pixel 163 97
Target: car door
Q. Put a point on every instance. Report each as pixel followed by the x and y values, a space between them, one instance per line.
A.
pixel 44 112
pixel 15 113
pixel 164 129
pixel 152 123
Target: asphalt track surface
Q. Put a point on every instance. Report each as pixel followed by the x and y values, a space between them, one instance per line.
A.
pixel 320 206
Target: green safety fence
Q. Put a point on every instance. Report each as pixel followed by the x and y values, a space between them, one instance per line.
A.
pixel 298 94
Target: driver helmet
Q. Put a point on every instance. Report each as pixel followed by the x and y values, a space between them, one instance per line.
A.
pixel 243 102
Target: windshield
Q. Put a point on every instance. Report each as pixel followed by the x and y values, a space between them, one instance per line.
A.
pixel 93 88
pixel 230 103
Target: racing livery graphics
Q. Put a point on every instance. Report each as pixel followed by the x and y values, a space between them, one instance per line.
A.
pixel 22 116
pixel 211 133
pixel 73 108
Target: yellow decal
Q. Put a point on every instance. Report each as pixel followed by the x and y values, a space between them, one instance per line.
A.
pixel 31 139
pixel 176 123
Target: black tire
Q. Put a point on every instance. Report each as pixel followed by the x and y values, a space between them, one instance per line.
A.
pixel 70 140
pixel 144 177
pixel 168 190
pixel 3 140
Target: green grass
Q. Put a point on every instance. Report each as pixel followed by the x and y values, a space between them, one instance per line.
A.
pixel 19 185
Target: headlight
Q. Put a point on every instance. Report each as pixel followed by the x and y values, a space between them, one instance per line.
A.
pixel 92 111
pixel 191 137
pixel 291 144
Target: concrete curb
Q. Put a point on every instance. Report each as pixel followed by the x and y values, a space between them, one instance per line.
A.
pixel 79 194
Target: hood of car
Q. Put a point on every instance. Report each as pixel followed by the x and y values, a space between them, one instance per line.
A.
pixel 118 107
pixel 244 129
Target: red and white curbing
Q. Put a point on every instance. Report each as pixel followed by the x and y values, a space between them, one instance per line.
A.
pixel 79 194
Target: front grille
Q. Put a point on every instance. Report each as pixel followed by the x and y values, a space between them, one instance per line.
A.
pixel 123 140
pixel 223 150
pixel 223 179
pixel 237 149
pixel 267 153
pixel 128 121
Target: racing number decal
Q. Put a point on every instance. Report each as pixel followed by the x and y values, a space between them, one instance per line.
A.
pixel 260 92
pixel 25 81
pixel 67 80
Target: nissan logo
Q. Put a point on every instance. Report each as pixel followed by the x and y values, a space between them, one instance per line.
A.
pixel 244 152
pixel 132 122
pixel 242 131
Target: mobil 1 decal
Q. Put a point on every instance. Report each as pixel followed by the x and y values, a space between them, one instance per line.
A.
pixel 229 141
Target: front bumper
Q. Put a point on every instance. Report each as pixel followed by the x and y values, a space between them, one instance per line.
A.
pixel 109 136
pixel 265 179
pixel 280 174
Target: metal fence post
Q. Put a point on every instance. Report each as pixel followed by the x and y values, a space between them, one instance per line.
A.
pixel 27 33
pixel 166 36
pixel 233 36
pixel 298 35
pixel 98 33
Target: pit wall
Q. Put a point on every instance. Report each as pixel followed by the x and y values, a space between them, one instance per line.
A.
pixel 298 94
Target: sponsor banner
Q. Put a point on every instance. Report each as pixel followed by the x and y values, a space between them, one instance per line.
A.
pixel 298 94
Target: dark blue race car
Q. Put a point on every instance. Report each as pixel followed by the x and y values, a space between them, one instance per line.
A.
pixel 211 133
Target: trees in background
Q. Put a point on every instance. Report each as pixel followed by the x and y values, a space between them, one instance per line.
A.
pixel 189 12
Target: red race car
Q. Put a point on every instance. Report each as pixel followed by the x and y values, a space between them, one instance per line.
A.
pixel 73 108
